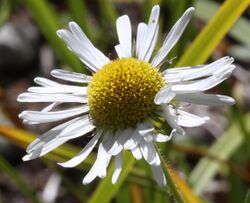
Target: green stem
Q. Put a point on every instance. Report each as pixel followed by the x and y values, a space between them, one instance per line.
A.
pixel 170 182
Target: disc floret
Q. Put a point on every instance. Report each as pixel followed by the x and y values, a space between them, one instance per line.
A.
pixel 122 93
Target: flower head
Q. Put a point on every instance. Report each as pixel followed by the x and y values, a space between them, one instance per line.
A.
pixel 121 99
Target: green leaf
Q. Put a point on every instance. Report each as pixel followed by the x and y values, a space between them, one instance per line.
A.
pixel 49 23
pixel 247 198
pixel 23 138
pixel 206 9
pixel 105 191
pixel 108 11
pixel 240 52
pixel 11 172
pixel 4 11
pixel 223 148
pixel 212 34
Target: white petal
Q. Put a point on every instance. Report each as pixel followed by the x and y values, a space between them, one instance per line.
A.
pixel 152 27
pixel 58 136
pixel 45 82
pixel 206 99
pixel 141 33
pixel 149 153
pixel 82 47
pixel 108 140
pixel 172 37
pixel 46 148
pixel 77 129
pixel 48 136
pixel 147 131
pixel 162 138
pixel 91 175
pixel 102 161
pixel 164 96
pixel 158 175
pixel 149 135
pixel 190 73
pixel 133 141
pixel 117 168
pixel 203 84
pixel 119 141
pixel 190 120
pixel 79 49
pixel 172 120
pixel 152 46
pixel 67 89
pixel 136 153
pixel 45 109
pixel 123 27
pixel 100 58
pixel 70 76
pixel 45 117
pixel 136 137
pixel 82 155
pixel 50 107
pixel 119 51
pixel 64 98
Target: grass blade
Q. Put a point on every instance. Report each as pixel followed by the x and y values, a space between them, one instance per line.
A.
pixel 212 34
pixel 49 24
pixel 186 191
pixel 205 10
pixel 223 149
pixel 6 168
pixel 23 138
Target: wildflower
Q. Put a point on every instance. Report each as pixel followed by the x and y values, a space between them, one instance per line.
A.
pixel 123 98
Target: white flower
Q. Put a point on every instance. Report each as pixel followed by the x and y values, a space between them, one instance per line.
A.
pixel 123 97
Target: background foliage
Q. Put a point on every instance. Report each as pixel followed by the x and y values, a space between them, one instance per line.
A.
pixel 210 164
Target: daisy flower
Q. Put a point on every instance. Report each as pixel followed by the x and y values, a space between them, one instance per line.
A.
pixel 120 101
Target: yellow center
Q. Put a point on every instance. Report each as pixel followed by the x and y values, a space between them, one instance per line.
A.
pixel 122 93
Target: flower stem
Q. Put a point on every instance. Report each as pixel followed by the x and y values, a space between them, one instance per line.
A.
pixel 170 181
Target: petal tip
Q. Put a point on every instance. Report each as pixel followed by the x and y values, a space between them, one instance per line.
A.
pixel 26 158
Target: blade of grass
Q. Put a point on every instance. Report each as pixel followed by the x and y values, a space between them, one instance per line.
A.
pixel 124 194
pixel 226 145
pixel 10 171
pixel 186 191
pixel 108 11
pixel 203 152
pixel 105 191
pixel 75 189
pixel 212 34
pixel 206 9
pixel 136 193
pixel 67 151
pixel 49 23
pixel 247 198
pixel 240 52
pixel 23 138
pixel 4 11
